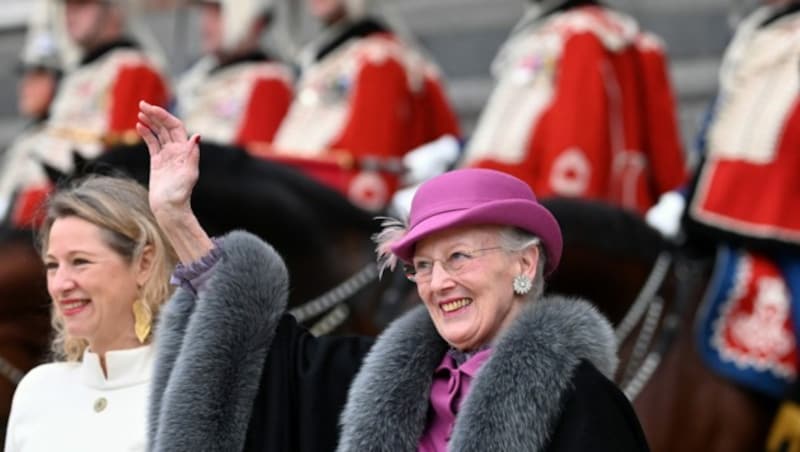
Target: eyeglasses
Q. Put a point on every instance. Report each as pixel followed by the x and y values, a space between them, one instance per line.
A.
pixel 421 270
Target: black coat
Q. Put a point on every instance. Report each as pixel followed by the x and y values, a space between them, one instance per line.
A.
pixel 235 373
pixel 303 390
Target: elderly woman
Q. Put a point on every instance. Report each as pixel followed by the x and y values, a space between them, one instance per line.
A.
pixel 487 364
pixel 108 268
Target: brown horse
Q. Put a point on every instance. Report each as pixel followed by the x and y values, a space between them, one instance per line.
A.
pixel 609 255
pixel 24 314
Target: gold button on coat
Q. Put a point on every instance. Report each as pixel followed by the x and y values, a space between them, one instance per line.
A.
pixel 100 404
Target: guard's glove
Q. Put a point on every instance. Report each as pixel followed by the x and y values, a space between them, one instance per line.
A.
pixel 430 159
pixel 400 206
pixel 784 436
pixel 4 205
pixel 666 215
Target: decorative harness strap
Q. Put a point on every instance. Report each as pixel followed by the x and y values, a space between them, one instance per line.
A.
pixel 334 299
pixel 641 368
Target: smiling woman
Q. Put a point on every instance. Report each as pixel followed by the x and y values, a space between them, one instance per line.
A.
pixel 108 268
pixel 488 363
pixel 466 305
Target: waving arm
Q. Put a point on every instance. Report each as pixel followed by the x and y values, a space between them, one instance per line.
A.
pixel 174 160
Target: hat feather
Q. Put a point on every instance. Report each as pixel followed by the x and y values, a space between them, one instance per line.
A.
pixel 393 230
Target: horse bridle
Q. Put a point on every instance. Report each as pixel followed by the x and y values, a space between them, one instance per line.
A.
pixel 334 301
pixel 10 372
pixel 641 368
pixel 641 364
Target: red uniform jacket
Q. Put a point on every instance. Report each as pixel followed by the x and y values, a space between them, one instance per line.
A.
pixel 364 102
pixel 583 107
pixel 748 184
pixel 241 102
pixel 96 106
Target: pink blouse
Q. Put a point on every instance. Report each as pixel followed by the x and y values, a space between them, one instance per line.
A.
pixel 450 387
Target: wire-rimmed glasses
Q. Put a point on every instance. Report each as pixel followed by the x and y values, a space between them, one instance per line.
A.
pixel 421 270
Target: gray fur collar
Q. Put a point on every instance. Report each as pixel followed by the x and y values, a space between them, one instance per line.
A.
pixel 211 350
pixel 514 402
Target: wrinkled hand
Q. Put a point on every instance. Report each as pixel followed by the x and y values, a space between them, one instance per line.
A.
pixel 174 160
pixel 785 433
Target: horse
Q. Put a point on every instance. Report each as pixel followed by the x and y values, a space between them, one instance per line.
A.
pixel 652 291
pixel 24 314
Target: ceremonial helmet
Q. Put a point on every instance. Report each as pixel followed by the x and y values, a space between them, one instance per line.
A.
pixel 238 16
pixel 46 43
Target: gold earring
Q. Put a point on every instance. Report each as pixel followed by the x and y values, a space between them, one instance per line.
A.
pixel 143 320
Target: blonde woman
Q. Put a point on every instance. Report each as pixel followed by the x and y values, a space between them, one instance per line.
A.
pixel 108 267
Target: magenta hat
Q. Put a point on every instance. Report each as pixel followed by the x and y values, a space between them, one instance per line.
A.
pixel 475 197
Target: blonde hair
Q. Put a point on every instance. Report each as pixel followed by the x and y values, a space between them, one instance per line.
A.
pixel 120 208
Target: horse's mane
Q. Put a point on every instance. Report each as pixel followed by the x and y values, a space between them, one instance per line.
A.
pixel 606 227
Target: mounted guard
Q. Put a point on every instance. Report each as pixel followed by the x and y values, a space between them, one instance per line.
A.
pixel 372 98
pixel 236 94
pixel 97 100
pixel 583 107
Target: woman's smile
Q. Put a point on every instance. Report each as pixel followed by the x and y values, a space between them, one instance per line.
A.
pixel 73 306
pixel 456 306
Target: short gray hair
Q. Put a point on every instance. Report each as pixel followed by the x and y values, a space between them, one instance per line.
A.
pixel 515 240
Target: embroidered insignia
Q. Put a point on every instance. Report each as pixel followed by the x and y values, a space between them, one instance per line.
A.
pixel 369 191
pixel 747 333
pixel 228 108
pixel 571 173
pixel 330 91
pixel 532 66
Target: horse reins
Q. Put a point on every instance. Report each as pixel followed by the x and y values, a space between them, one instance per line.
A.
pixel 645 297
pixel 641 368
pixel 333 300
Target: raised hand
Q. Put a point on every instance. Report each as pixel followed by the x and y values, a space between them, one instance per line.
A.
pixel 174 160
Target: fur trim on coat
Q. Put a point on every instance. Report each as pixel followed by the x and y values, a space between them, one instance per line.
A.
pixel 515 400
pixel 211 350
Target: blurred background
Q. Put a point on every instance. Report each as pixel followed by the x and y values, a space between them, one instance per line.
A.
pixel 461 35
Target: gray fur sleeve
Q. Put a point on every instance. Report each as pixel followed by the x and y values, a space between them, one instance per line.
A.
pixel 207 398
pixel 169 334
